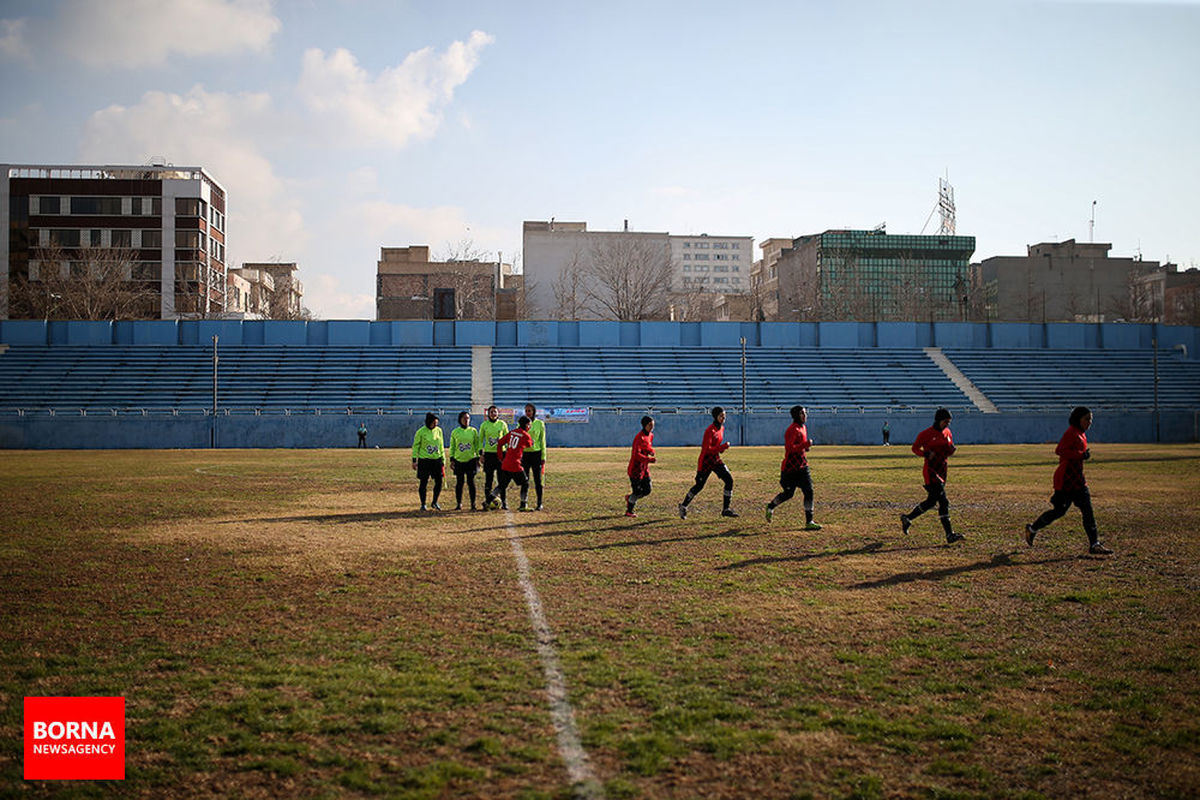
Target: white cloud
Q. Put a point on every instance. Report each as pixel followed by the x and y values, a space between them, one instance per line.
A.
pixel 215 131
pixel 329 299
pixel 13 42
pixel 138 33
pixel 401 103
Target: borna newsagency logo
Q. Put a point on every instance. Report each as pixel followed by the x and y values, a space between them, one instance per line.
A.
pixel 74 738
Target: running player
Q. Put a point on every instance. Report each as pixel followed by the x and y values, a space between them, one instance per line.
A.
pixel 429 458
pixel 793 473
pixel 491 431
pixel 711 463
pixel 465 447
pixel 534 459
pixel 640 459
pixel 1070 486
pixel 511 448
pixel 935 444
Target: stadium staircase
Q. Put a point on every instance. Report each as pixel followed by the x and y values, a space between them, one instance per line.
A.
pixel 960 380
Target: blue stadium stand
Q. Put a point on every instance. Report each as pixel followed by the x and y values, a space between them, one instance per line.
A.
pixel 1025 380
pixel 698 377
pixel 136 377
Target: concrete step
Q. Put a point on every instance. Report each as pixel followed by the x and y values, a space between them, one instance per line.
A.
pixel 960 380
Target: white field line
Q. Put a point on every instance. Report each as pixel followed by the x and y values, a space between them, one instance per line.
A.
pixel 583 782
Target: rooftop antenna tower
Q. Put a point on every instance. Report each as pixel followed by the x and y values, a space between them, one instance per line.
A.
pixel 946 206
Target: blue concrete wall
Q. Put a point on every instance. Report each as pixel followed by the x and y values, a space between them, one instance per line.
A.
pixel 604 430
pixel 549 333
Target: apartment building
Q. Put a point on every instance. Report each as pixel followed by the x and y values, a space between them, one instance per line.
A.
pixel 152 236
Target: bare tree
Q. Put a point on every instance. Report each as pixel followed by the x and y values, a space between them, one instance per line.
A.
pixel 628 279
pixel 88 283
pixel 568 288
pixel 473 277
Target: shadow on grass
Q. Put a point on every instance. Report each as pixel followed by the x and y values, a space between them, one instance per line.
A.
pixel 995 562
pixel 341 519
pixel 732 533
pixel 870 547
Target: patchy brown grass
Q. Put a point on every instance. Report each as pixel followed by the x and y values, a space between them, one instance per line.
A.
pixel 285 623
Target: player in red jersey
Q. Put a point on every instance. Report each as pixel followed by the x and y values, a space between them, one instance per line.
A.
pixel 935 444
pixel 793 473
pixel 710 463
pixel 640 458
pixel 1070 485
pixel 510 449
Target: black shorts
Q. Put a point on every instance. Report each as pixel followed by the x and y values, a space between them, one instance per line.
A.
pixel 430 468
pixel 491 462
pixel 532 460
pixel 640 486
pixel 800 479
pixel 464 467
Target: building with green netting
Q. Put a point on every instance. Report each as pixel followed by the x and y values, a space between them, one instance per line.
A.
pixel 873 275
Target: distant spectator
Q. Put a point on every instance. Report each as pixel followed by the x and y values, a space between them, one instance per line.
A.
pixel 362 434
pixel 887 434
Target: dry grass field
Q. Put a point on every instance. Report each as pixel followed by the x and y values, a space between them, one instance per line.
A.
pixel 286 624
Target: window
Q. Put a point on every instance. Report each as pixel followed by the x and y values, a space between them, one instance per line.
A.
pixel 187 207
pixel 122 238
pixel 187 238
pixel 686 256
pixel 720 245
pixel 108 206
pixel 64 238
pixel 146 271
pixel 151 238
pixel 94 238
pixel 702 257
pixel 156 206
pixel 49 205
pixel 721 257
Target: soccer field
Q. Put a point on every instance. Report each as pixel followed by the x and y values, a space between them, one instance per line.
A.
pixel 286 624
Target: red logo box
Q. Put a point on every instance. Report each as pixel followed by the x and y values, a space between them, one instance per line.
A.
pixel 74 738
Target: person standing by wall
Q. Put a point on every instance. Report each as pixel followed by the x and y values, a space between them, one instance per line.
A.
pixel 935 444
pixel 362 434
pixel 1070 485
pixel 429 458
pixel 887 434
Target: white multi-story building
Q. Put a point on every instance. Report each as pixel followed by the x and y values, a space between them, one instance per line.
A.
pixel 560 260
pixel 706 263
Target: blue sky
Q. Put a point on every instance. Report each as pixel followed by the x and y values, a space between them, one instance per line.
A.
pixel 339 127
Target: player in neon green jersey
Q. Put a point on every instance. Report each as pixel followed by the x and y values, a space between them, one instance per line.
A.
pixel 465 447
pixel 491 432
pixel 429 458
pixel 533 460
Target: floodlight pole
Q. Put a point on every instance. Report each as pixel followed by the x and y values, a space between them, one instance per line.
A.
pixel 1154 345
pixel 742 426
pixel 213 437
